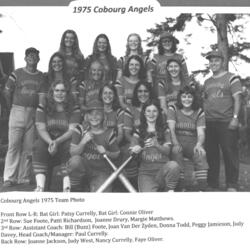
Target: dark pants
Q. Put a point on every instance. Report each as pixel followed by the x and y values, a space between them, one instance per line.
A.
pixel 219 136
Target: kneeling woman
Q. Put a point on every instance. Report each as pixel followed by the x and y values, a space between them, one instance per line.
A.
pixel 54 121
pixel 187 124
pixel 87 147
pixel 156 172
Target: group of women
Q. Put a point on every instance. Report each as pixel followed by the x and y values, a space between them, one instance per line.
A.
pixel 134 105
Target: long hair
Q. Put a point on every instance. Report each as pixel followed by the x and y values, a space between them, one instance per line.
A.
pixel 161 48
pixel 159 125
pixel 115 104
pixel 168 76
pixel 96 53
pixel 135 100
pixel 141 73
pixel 76 52
pixel 188 90
pixel 51 73
pixel 67 104
pixel 139 49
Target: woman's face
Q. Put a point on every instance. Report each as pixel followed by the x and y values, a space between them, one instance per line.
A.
pixel 133 42
pixel 96 71
pixel 174 69
pixel 102 44
pixel 107 95
pixel 187 100
pixel 95 117
pixel 69 39
pixel 134 67
pixel 151 113
pixel 57 64
pixel 167 44
pixel 142 94
pixel 59 93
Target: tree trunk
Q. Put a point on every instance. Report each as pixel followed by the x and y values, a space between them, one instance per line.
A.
pixel 222 40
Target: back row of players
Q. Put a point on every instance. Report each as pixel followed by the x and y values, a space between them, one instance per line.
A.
pixel 98 105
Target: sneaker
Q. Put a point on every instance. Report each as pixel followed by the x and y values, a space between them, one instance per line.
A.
pixel 231 189
pixel 66 190
pixel 8 184
pixel 39 189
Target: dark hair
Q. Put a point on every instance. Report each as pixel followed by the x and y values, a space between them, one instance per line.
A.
pixel 159 126
pixel 141 73
pixel 50 102
pixel 76 52
pixel 115 104
pixel 135 100
pixel 139 49
pixel 96 53
pixel 51 73
pixel 168 76
pixel 161 48
pixel 188 90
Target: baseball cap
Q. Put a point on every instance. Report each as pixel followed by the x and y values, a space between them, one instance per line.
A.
pixel 31 50
pixel 214 53
pixel 167 34
pixel 94 105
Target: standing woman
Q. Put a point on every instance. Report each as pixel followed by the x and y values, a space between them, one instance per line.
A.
pixel 133 73
pixel 166 50
pixel 169 88
pixel 113 114
pixel 187 125
pixel 69 47
pixel 133 47
pixel 54 121
pixel 156 172
pixel 102 53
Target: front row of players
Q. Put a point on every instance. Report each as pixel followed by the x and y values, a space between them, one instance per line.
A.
pixel 158 149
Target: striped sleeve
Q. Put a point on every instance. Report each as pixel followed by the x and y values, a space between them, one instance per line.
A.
pixel 82 90
pixel 120 117
pixel 11 83
pixel 112 142
pixel 40 114
pixel 75 117
pixel 136 133
pixel 235 85
pixel 200 119
pixel 77 134
pixel 119 88
pixel 120 63
pixel 161 89
pixel 128 119
pixel 172 113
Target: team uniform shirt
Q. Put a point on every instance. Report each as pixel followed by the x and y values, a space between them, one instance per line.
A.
pixel 169 91
pixel 89 91
pixel 123 61
pixel 58 123
pixel 132 118
pixel 186 125
pixel 151 157
pixel 125 89
pixel 218 96
pixel 107 139
pixel 158 65
pixel 114 119
pixel 26 87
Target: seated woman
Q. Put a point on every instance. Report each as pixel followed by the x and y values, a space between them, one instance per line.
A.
pixel 87 147
pixel 187 124
pixel 152 139
pixel 133 73
pixel 113 114
pixel 54 121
